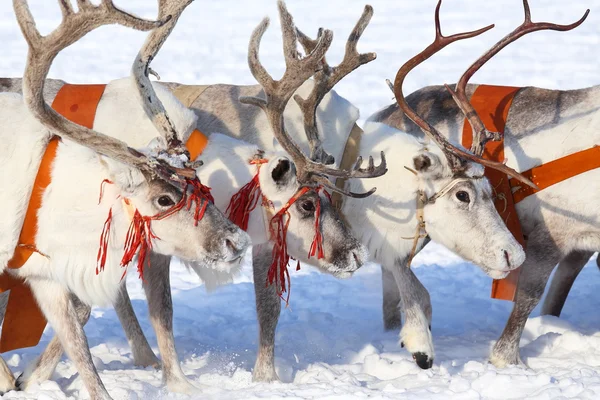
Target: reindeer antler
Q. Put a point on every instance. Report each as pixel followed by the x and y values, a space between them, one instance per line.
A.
pixel 480 134
pixel 43 50
pixel 326 78
pixel 456 156
pixel 141 69
pixel 279 92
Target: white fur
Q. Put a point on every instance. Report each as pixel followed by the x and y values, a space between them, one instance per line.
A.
pixel 20 158
pixel 70 220
pixel 120 106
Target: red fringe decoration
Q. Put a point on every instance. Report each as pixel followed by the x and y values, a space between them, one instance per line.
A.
pixel 200 195
pixel 246 199
pixel 317 244
pixel 139 235
pixel 102 189
pixel 278 227
pixel 104 237
pixel 278 271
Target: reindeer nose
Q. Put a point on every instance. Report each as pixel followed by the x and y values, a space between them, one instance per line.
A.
pixel 357 259
pixel 236 245
pixel 232 247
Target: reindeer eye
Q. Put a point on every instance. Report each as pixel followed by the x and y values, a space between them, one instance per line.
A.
pixel 165 201
pixel 463 196
pixel 308 206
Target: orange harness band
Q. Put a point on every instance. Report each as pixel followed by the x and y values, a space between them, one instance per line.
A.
pixel 556 171
pixel 492 103
pixel 24 322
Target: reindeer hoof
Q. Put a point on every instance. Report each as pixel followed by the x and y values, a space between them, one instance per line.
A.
pixel 423 360
pixel 20 383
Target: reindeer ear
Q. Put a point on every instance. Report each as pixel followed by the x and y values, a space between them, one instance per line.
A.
pixel 127 178
pixel 426 162
pixel 283 172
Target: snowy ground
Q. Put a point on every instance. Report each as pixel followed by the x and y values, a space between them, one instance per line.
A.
pixel 330 341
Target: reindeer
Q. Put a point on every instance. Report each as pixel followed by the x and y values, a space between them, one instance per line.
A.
pixel 542 125
pixel 290 185
pixel 386 219
pixel 157 184
pixel 460 198
pixel 377 219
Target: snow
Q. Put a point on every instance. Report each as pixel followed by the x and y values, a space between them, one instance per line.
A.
pixel 330 341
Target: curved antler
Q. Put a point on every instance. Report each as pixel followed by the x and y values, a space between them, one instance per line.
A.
pixel 480 134
pixel 326 78
pixel 42 52
pixel 456 156
pixel 279 92
pixel 141 69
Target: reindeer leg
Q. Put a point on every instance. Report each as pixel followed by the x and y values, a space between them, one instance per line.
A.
pixel 416 306
pixel 563 280
pixel 160 306
pixel 143 356
pixel 7 379
pixel 392 316
pixel 60 311
pixel 542 256
pixel 268 308
pixel 43 367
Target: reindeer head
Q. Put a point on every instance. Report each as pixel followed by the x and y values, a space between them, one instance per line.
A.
pixel 158 184
pixel 342 254
pixel 295 184
pixel 459 212
pixel 455 198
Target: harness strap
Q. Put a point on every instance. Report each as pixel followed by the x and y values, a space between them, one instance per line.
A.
pixel 492 103
pixel 24 322
pixel 556 171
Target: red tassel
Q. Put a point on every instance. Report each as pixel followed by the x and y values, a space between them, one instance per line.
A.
pixel 316 248
pixel 246 199
pixel 104 238
pixel 278 227
pixel 102 189
pixel 200 195
pixel 139 235
pixel 244 202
